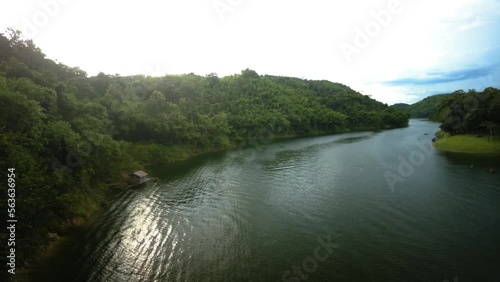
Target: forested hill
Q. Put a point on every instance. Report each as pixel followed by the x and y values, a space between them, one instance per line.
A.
pixel 470 112
pixel 67 134
pixel 426 108
pixel 187 109
pixel 460 112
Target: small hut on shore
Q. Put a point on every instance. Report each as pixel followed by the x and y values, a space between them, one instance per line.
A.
pixel 138 177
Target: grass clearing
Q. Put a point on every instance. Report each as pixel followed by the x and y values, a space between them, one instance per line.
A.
pixel 469 144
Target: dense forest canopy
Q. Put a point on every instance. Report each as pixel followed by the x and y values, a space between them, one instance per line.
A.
pixel 68 134
pixel 470 112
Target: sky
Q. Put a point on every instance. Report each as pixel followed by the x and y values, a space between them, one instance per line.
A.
pixel 397 51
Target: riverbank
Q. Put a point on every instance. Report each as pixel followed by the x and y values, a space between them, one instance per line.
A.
pixel 468 144
pixel 54 253
pixel 61 242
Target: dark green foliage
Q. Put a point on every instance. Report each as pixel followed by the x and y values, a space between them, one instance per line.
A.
pixel 427 108
pixel 471 112
pixel 401 106
pixel 68 135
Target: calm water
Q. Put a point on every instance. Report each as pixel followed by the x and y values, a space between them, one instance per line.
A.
pixel 315 209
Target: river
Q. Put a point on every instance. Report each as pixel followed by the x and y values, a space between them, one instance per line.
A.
pixel 362 206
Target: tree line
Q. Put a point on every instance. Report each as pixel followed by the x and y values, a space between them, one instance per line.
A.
pixel 470 112
pixel 426 108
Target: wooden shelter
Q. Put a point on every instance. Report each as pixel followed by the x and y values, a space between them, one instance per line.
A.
pixel 138 177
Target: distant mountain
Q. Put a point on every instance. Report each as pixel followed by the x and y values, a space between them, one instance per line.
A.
pixel 401 106
pixel 427 108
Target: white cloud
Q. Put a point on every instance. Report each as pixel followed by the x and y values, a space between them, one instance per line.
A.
pixel 282 37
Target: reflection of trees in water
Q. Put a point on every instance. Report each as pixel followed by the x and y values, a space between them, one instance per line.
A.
pixel 349 140
pixel 289 158
pixel 190 181
pixel 478 161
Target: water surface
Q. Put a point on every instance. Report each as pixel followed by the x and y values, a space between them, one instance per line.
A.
pixel 260 214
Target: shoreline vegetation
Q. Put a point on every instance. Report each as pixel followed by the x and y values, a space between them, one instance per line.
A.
pixel 470 121
pixel 73 138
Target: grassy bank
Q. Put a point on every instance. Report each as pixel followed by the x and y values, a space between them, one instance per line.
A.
pixel 469 144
